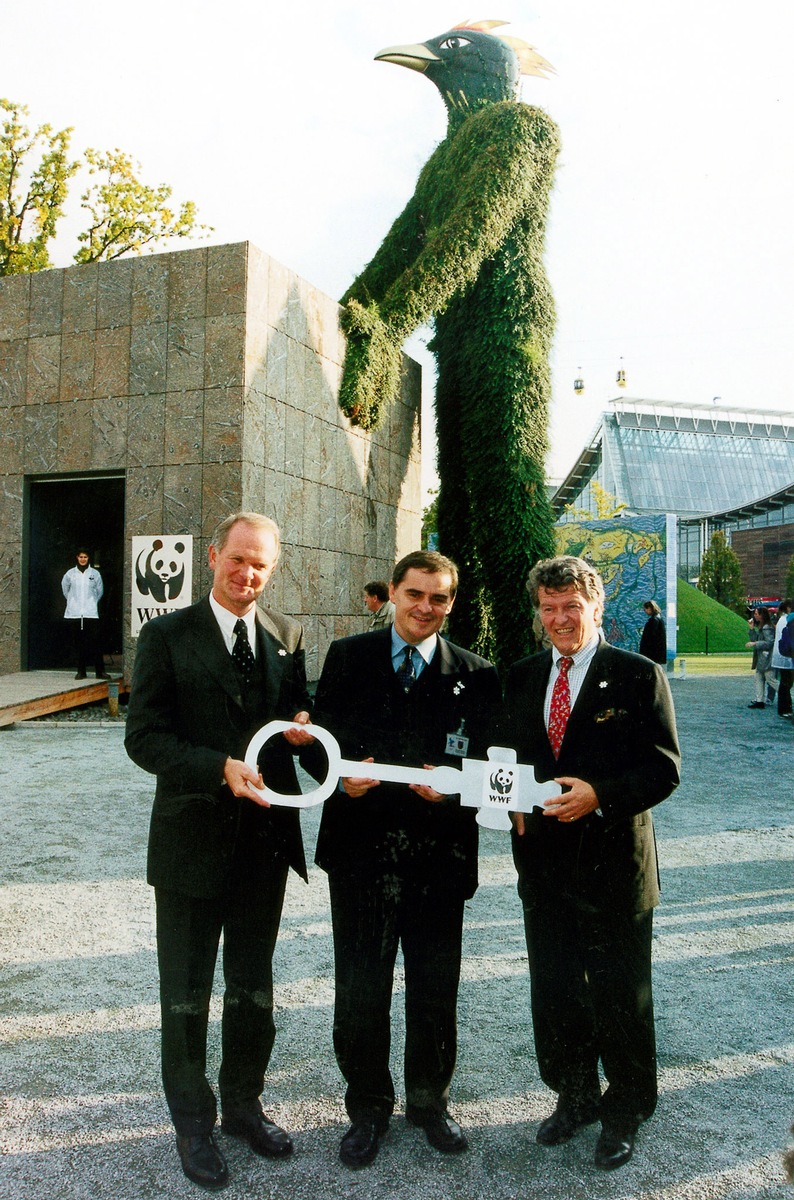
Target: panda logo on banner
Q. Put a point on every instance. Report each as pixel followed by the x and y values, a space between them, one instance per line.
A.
pixel 162 577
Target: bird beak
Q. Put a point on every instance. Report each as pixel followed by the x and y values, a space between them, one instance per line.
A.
pixel 416 57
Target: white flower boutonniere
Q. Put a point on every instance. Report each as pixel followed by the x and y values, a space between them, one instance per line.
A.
pixel 282 654
pixel 458 688
pixel 604 683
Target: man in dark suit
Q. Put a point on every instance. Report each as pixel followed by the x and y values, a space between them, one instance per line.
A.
pixel 401 859
pixel 205 679
pixel 600 722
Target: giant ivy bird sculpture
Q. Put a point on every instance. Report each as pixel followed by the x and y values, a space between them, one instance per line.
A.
pixel 466 254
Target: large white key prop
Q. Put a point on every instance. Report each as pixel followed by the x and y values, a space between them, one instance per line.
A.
pixel 497 787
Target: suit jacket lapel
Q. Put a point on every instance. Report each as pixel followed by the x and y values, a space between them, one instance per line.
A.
pixel 448 660
pixel 272 651
pixel 210 648
pixel 590 695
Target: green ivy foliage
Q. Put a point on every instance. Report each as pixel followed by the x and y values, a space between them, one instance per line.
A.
pixel 467 253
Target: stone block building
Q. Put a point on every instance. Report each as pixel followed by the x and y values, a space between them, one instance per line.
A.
pixel 156 395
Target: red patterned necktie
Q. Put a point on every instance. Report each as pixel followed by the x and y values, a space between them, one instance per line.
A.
pixel 560 709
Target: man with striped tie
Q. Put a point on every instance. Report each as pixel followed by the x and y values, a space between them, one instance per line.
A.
pixel 600 722
pixel 401 860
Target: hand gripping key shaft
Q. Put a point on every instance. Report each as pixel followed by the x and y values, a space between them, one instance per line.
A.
pixel 497 787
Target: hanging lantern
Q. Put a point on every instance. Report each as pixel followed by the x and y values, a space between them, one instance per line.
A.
pixel 620 378
pixel 578 386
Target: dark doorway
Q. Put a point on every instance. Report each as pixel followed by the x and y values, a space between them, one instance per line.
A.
pixel 64 513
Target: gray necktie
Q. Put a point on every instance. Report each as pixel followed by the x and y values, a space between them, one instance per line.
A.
pixel 242 654
pixel 406 672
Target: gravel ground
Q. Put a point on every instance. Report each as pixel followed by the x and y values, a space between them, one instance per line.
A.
pixel 81 1113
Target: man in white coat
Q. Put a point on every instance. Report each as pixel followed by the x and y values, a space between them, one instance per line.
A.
pixel 82 586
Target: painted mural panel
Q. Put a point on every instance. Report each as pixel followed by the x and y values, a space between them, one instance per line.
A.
pixel 636 559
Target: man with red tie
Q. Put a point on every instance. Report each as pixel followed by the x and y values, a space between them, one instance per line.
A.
pixel 600 722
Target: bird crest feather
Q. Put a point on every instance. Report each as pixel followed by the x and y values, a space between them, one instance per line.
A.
pixel 530 62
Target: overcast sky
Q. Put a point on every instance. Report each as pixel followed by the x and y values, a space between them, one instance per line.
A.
pixel 670 247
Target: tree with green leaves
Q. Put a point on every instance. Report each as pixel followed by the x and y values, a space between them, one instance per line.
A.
pixel 430 521
pixel 467 254
pixel 788 585
pixel 607 505
pixel 125 215
pixel 721 574
pixel 35 170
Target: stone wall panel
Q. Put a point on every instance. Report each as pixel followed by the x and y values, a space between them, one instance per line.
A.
pixel 43 382
pixel 46 303
pixel 112 361
pixel 148 358
pixel 184 426
pixel 109 439
pixel 75 435
pixel 114 294
pixel 13 372
pixel 210 377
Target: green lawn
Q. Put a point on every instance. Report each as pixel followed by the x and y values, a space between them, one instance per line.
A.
pixel 706 627
pixel 715 664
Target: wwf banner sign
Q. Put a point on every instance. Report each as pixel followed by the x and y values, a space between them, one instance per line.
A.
pixel 162 577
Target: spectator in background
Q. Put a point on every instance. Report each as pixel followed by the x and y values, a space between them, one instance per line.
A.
pixel 83 589
pixel 781 663
pixel 762 641
pixel 653 640
pixel 376 598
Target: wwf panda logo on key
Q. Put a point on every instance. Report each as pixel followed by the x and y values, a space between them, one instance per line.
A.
pixel 160 571
pixel 502 781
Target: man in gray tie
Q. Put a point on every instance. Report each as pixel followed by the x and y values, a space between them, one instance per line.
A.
pixel 401 860
pixel 205 679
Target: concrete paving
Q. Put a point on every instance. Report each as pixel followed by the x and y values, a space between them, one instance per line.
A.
pixel 82 1116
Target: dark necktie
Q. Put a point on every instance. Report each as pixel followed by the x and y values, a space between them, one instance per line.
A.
pixel 242 654
pixel 560 706
pixel 406 672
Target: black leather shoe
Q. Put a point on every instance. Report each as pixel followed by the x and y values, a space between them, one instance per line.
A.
pixel 757 704
pixel 202 1161
pixel 361 1143
pixel 563 1124
pixel 614 1146
pixel 442 1132
pixel 262 1134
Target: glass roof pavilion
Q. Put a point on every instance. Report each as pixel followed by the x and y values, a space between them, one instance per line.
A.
pixel 696 461
pixel 690 460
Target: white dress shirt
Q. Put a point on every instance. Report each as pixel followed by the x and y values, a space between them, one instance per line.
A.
pixel 227 621
pixel 425 651
pixel 576 672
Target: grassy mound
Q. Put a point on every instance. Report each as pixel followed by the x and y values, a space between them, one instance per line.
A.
pixel 706 626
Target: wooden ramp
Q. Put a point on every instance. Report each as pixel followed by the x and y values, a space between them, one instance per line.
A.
pixel 35 693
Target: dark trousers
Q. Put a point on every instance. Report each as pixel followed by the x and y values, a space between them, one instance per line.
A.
pixel 592 999
pixel 784 691
pixel 87 651
pixel 188 934
pixel 371 918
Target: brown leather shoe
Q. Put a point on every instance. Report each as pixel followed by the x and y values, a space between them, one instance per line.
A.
pixel 202 1161
pixel 263 1135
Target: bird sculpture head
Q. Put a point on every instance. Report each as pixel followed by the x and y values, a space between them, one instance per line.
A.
pixel 471 66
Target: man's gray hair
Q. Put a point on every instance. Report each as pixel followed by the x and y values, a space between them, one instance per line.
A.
pixel 222 531
pixel 565 571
